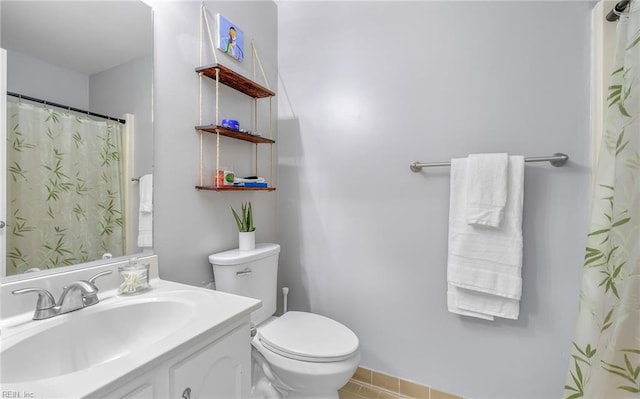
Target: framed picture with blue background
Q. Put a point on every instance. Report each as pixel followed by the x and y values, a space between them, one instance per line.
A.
pixel 230 38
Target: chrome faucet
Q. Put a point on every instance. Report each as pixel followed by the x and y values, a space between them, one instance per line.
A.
pixel 77 295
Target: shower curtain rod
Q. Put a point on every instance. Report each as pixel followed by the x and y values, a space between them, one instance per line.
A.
pixel 45 102
pixel 557 159
pixel 614 14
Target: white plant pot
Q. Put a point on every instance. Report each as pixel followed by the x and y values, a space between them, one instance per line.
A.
pixel 247 240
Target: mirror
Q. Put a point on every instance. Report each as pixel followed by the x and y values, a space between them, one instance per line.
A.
pixel 81 56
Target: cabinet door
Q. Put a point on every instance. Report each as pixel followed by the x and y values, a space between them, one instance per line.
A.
pixel 142 392
pixel 220 370
pixel 141 388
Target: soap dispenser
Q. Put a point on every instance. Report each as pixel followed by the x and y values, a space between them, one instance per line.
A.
pixel 135 278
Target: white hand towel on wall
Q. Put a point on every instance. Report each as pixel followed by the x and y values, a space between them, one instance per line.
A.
pixel 484 264
pixel 486 188
pixel 145 216
pixel 146 193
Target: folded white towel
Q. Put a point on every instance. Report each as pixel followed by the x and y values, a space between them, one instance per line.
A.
pixel 484 264
pixel 453 304
pixel 486 188
pixel 475 302
pixel 145 215
pixel 146 193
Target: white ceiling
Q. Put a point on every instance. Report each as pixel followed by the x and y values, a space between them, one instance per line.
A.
pixel 87 36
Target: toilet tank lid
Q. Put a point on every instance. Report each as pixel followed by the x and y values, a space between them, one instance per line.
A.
pixel 236 256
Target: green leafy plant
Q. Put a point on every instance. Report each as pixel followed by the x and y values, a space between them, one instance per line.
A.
pixel 245 220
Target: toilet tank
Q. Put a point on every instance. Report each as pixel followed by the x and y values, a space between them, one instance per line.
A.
pixel 252 273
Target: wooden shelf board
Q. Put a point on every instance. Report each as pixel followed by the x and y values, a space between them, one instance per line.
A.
pixel 232 188
pixel 233 79
pixel 234 134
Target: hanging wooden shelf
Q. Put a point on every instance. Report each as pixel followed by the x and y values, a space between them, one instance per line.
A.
pixel 232 188
pixel 234 134
pixel 228 77
pixel 234 80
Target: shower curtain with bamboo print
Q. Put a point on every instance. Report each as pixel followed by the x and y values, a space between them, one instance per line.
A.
pixel 605 356
pixel 64 185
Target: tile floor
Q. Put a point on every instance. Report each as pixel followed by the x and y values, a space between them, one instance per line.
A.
pixel 358 390
pixel 369 384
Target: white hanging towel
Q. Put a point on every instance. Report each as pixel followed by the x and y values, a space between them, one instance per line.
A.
pixel 484 264
pixel 145 215
pixel 486 189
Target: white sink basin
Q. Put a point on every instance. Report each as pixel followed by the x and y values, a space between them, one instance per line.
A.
pixel 95 351
pixel 86 339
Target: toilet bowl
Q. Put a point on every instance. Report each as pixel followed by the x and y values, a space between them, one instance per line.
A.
pixel 296 355
pixel 307 353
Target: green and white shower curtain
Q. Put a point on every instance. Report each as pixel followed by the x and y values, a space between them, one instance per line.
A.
pixel 605 357
pixel 64 188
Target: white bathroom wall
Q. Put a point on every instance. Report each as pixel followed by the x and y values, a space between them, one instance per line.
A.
pixel 126 88
pixel 368 87
pixel 36 78
pixel 189 225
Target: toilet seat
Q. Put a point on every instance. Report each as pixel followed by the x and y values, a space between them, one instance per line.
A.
pixel 308 337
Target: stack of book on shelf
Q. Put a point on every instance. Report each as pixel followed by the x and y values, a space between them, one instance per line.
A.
pixel 251 181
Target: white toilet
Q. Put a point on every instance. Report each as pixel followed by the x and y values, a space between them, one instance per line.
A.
pixel 297 355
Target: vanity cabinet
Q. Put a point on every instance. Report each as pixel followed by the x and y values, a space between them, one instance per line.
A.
pixel 212 369
pixel 220 370
pixel 140 388
pixel 230 78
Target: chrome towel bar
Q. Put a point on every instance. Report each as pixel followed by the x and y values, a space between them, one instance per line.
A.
pixel 557 159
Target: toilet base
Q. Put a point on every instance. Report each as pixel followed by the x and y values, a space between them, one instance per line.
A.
pixel 276 377
pixel 262 388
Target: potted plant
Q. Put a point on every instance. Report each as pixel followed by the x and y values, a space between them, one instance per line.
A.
pixel 246 230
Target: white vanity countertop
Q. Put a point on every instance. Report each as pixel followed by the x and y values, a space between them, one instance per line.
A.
pixel 196 313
